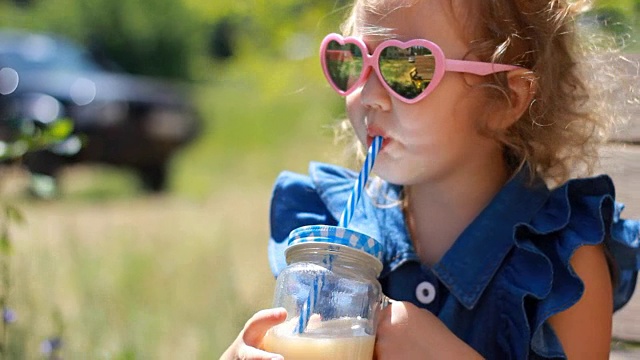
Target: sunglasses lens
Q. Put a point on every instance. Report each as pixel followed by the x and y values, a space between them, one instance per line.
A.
pixel 344 64
pixel 407 71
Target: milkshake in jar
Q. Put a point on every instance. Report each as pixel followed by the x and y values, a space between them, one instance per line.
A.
pixel 331 293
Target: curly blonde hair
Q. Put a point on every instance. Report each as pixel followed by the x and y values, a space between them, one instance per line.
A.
pixel 558 136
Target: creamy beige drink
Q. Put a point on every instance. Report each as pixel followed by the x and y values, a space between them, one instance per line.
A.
pixel 341 339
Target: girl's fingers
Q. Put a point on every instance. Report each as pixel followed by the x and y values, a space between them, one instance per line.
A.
pixel 260 323
pixel 385 310
pixel 251 353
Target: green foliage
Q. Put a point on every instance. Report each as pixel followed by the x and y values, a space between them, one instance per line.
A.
pixel 619 18
pixel 32 137
pixel 169 38
pixel 627 7
pixel 29 137
pixel 151 37
pixel 58 16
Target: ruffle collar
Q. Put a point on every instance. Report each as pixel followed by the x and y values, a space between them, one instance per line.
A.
pixel 521 215
pixel 483 245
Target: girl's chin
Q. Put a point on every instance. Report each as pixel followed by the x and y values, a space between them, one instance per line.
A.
pixel 386 171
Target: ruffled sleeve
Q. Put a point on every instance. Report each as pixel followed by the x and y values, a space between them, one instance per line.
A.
pixel 624 245
pixel 300 200
pixel 320 198
pixel 581 212
pixel 294 203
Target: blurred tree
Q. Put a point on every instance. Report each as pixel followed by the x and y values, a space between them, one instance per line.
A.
pixel 612 19
pixel 269 25
pixel 618 19
pixel 166 37
pixel 23 2
pixel 222 39
pixel 150 37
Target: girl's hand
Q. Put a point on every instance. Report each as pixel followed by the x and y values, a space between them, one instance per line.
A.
pixel 246 346
pixel 408 332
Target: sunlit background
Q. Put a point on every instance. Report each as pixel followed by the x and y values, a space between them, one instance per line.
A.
pixel 143 234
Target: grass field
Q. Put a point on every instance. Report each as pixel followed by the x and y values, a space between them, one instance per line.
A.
pixel 117 274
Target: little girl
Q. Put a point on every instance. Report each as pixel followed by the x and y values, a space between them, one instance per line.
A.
pixel 490 251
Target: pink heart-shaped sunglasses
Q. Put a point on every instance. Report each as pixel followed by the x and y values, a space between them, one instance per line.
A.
pixel 408 70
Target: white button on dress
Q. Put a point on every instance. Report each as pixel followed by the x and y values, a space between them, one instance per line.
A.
pixel 425 292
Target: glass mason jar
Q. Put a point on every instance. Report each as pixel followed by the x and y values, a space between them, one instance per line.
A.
pixel 331 293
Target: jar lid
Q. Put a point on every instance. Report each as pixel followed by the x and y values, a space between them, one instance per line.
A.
pixel 336 236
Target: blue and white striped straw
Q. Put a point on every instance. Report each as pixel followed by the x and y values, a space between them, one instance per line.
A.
pixel 312 299
pixel 309 304
pixel 358 187
pixel 347 214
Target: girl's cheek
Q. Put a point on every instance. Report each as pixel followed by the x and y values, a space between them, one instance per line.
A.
pixel 355 112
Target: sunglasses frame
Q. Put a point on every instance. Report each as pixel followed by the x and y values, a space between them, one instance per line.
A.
pixel 371 61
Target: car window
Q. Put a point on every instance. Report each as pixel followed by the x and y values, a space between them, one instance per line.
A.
pixel 39 52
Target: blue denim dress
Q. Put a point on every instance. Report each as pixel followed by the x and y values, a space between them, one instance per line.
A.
pixel 505 275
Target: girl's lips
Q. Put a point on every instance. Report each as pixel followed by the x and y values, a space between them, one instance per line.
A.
pixel 372 132
pixel 385 141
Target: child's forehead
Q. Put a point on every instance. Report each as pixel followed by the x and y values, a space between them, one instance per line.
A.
pixel 384 6
pixel 384 19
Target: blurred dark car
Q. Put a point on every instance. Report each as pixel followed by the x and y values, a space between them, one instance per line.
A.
pixel 119 119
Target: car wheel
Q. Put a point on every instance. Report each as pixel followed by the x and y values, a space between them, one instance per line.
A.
pixel 154 177
pixel 43 162
pixel 44 167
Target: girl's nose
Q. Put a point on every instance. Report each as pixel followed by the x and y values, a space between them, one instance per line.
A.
pixel 374 95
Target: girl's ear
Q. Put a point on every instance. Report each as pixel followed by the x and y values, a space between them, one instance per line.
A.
pixel 522 88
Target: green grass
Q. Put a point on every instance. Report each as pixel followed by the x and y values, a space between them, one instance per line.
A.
pixel 155 277
pixel 259 120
